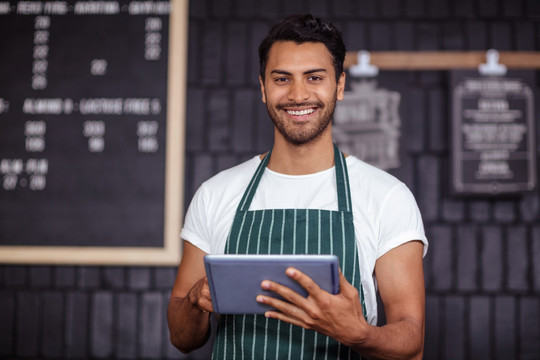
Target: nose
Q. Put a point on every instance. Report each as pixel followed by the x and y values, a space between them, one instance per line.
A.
pixel 298 92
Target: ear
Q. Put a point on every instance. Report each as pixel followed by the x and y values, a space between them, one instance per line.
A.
pixel 262 89
pixel 340 87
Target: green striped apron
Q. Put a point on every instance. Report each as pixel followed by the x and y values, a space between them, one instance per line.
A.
pixel 289 231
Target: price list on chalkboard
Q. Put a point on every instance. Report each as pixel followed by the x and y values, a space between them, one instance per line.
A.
pixel 83 122
pixel 494 149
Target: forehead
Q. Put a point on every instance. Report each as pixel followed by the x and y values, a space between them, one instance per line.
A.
pixel 290 56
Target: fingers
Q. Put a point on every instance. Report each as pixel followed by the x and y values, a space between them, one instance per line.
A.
pixel 200 295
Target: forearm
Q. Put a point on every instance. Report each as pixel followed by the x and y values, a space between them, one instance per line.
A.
pixel 189 326
pixel 400 340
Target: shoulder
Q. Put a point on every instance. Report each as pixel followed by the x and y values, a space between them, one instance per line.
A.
pixel 235 177
pixel 370 178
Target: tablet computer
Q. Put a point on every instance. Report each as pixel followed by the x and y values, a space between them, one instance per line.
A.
pixel 235 280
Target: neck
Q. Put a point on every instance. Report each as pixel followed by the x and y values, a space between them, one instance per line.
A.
pixel 290 159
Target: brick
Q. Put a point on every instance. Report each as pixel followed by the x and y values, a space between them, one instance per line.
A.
pixel 126 326
pixel 193 55
pixel 195 120
pixel 452 210
pixel 269 9
pixel 438 122
pixel 532 8
pixel 380 37
pixel 164 277
pixel 139 278
pixel 488 8
pixel 464 8
pixel 524 36
pixel 505 327
pixel 391 8
pixel 101 321
pixel 442 254
pixel 52 341
pixel 479 322
pixel 355 37
pixel 513 8
pixel 438 8
pixel 89 277
pixel 242 119
pixel 7 323
pixel 265 130
pixel 368 9
pixel 517 258
pixel 150 336
pixel 414 101
pixel 221 8
pixel 535 258
pixel 403 35
pixel 225 162
pixel 293 7
pixel 64 276
pixel 40 276
pixel 429 182
pixel 212 53
pixel 342 8
pixel 426 36
pixel 452 36
pixel 76 335
pixel 318 8
pixel 467 267
pixel 218 114
pixel 27 325
pixel 236 53
pixel 479 211
pixel 476 36
pixel 529 310
pixel 198 8
pixel 245 8
pixel 257 33
pixel 454 328
pixel 504 211
pixel 432 344
pixel 415 8
pixel 201 171
pixel 14 276
pixel 501 36
pixel 114 277
pixel 492 259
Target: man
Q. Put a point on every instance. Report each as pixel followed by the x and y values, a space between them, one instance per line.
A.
pixel 305 196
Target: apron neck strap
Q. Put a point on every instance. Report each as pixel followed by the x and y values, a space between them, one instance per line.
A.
pixel 342 182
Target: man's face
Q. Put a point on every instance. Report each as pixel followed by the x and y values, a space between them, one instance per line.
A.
pixel 300 90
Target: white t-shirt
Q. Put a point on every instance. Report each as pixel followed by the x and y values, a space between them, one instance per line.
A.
pixel 384 210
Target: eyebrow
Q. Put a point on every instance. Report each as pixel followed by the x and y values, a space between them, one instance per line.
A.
pixel 307 72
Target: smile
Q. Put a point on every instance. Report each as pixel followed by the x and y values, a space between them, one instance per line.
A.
pixel 300 112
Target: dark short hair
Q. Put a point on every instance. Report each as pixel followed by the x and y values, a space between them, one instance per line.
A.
pixel 302 29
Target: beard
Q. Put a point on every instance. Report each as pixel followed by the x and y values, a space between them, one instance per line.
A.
pixel 299 133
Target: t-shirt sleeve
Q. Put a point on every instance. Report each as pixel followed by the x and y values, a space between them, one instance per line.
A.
pixel 195 229
pixel 400 220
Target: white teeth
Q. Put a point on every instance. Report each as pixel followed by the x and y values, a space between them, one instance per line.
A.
pixel 300 112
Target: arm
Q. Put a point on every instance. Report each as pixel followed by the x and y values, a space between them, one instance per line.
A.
pixel 190 304
pixel 401 285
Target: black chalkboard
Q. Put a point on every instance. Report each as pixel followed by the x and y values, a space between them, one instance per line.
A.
pixel 493 145
pixel 83 123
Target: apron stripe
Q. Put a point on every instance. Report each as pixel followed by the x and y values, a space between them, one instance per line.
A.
pixel 289 231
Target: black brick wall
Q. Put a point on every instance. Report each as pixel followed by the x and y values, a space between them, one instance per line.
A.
pixel 483 266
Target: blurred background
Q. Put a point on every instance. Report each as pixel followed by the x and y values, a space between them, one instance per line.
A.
pixel 483 264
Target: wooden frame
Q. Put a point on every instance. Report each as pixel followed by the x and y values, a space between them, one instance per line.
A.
pixel 170 253
pixel 444 60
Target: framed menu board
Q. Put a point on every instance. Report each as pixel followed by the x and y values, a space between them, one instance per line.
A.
pixel 493 131
pixel 92 131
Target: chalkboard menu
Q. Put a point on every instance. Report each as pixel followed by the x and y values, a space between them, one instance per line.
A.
pixel 493 133
pixel 91 131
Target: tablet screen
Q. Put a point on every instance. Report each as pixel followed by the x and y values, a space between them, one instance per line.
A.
pixel 235 280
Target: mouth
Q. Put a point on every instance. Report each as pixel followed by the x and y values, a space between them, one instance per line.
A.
pixel 302 112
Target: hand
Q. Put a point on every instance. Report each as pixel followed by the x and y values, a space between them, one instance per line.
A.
pixel 199 295
pixel 338 316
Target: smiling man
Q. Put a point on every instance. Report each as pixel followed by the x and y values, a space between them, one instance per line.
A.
pixel 309 198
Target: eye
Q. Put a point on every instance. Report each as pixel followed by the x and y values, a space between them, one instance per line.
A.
pixel 315 78
pixel 281 79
